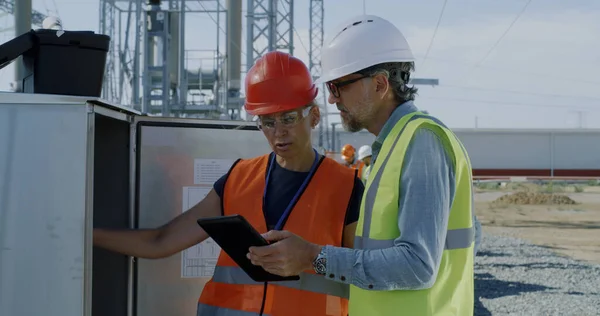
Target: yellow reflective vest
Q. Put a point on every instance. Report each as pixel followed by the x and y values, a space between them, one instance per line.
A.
pixel 453 290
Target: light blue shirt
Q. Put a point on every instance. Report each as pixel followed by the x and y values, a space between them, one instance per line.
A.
pixel 426 195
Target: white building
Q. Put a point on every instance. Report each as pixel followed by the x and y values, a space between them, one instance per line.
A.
pixel 519 152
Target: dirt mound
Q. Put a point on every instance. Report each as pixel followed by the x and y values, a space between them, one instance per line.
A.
pixel 535 198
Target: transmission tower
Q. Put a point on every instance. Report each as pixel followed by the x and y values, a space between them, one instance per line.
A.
pixel 8 6
pixel 122 21
pixel 269 27
pixel 316 16
pixel 149 67
pixel 317 34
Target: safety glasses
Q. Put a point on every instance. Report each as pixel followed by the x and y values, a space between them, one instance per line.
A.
pixel 287 120
pixel 334 87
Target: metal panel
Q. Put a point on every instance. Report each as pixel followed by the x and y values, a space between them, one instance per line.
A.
pixel 43 209
pixel 35 98
pixel 111 205
pixel 508 150
pixel 166 151
pixel 117 115
pixel 577 151
pixel 38 98
pixel 88 237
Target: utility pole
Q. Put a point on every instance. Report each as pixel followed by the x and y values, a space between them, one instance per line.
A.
pixel 333 135
pixel 23 12
pixel 580 118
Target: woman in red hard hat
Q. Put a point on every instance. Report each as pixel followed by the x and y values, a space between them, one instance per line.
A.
pixel 292 188
pixel 350 160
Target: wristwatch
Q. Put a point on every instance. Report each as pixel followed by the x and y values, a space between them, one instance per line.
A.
pixel 320 262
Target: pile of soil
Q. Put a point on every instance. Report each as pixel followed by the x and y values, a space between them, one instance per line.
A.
pixel 535 198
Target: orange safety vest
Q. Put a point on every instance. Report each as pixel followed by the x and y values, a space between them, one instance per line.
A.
pixel 360 167
pixel 357 164
pixel 318 217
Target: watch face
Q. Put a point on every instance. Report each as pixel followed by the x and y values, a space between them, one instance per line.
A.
pixel 319 266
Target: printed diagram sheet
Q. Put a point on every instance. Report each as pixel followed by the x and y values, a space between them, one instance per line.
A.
pixel 207 171
pixel 199 260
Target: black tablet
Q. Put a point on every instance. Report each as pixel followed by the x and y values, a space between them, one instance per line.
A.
pixel 235 236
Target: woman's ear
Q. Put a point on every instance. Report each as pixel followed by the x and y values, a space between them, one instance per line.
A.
pixel 316 117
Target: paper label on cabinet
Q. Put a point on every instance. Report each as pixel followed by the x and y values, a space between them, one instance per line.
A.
pixel 207 171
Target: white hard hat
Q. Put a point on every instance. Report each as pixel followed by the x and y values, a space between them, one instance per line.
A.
pixel 359 43
pixel 364 151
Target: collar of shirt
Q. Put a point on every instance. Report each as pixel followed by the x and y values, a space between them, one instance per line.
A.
pixel 402 110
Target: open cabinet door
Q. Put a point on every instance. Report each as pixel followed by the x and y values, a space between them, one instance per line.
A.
pixel 176 163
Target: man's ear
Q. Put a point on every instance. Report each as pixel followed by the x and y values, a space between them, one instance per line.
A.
pixel 382 85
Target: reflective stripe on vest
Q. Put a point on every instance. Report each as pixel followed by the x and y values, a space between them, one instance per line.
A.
pixel 308 281
pixel 453 290
pixel 209 310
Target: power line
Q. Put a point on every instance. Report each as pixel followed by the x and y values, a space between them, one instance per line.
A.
pixel 503 34
pixel 434 32
pixel 215 21
pixel 477 64
pixel 296 31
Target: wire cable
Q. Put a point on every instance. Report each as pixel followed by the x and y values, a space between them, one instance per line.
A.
pixel 477 64
pixel 434 33
pixel 503 34
pixel 219 26
pixel 295 31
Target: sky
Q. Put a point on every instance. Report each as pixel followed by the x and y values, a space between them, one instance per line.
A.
pixel 501 64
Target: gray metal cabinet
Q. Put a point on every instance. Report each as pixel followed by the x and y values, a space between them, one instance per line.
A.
pixel 68 164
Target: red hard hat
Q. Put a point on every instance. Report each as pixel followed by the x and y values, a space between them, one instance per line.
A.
pixel 278 82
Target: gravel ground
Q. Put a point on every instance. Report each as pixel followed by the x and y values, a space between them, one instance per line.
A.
pixel 513 277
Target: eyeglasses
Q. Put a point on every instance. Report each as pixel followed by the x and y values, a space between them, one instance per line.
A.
pixel 287 120
pixel 334 87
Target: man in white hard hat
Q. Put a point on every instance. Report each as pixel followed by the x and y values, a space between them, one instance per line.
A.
pixel 414 245
pixel 364 154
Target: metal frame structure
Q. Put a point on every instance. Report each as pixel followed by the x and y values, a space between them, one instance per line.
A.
pixel 147 65
pixel 122 77
pixel 316 38
pixel 142 49
pixel 8 6
pixel 148 45
pixel 269 27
